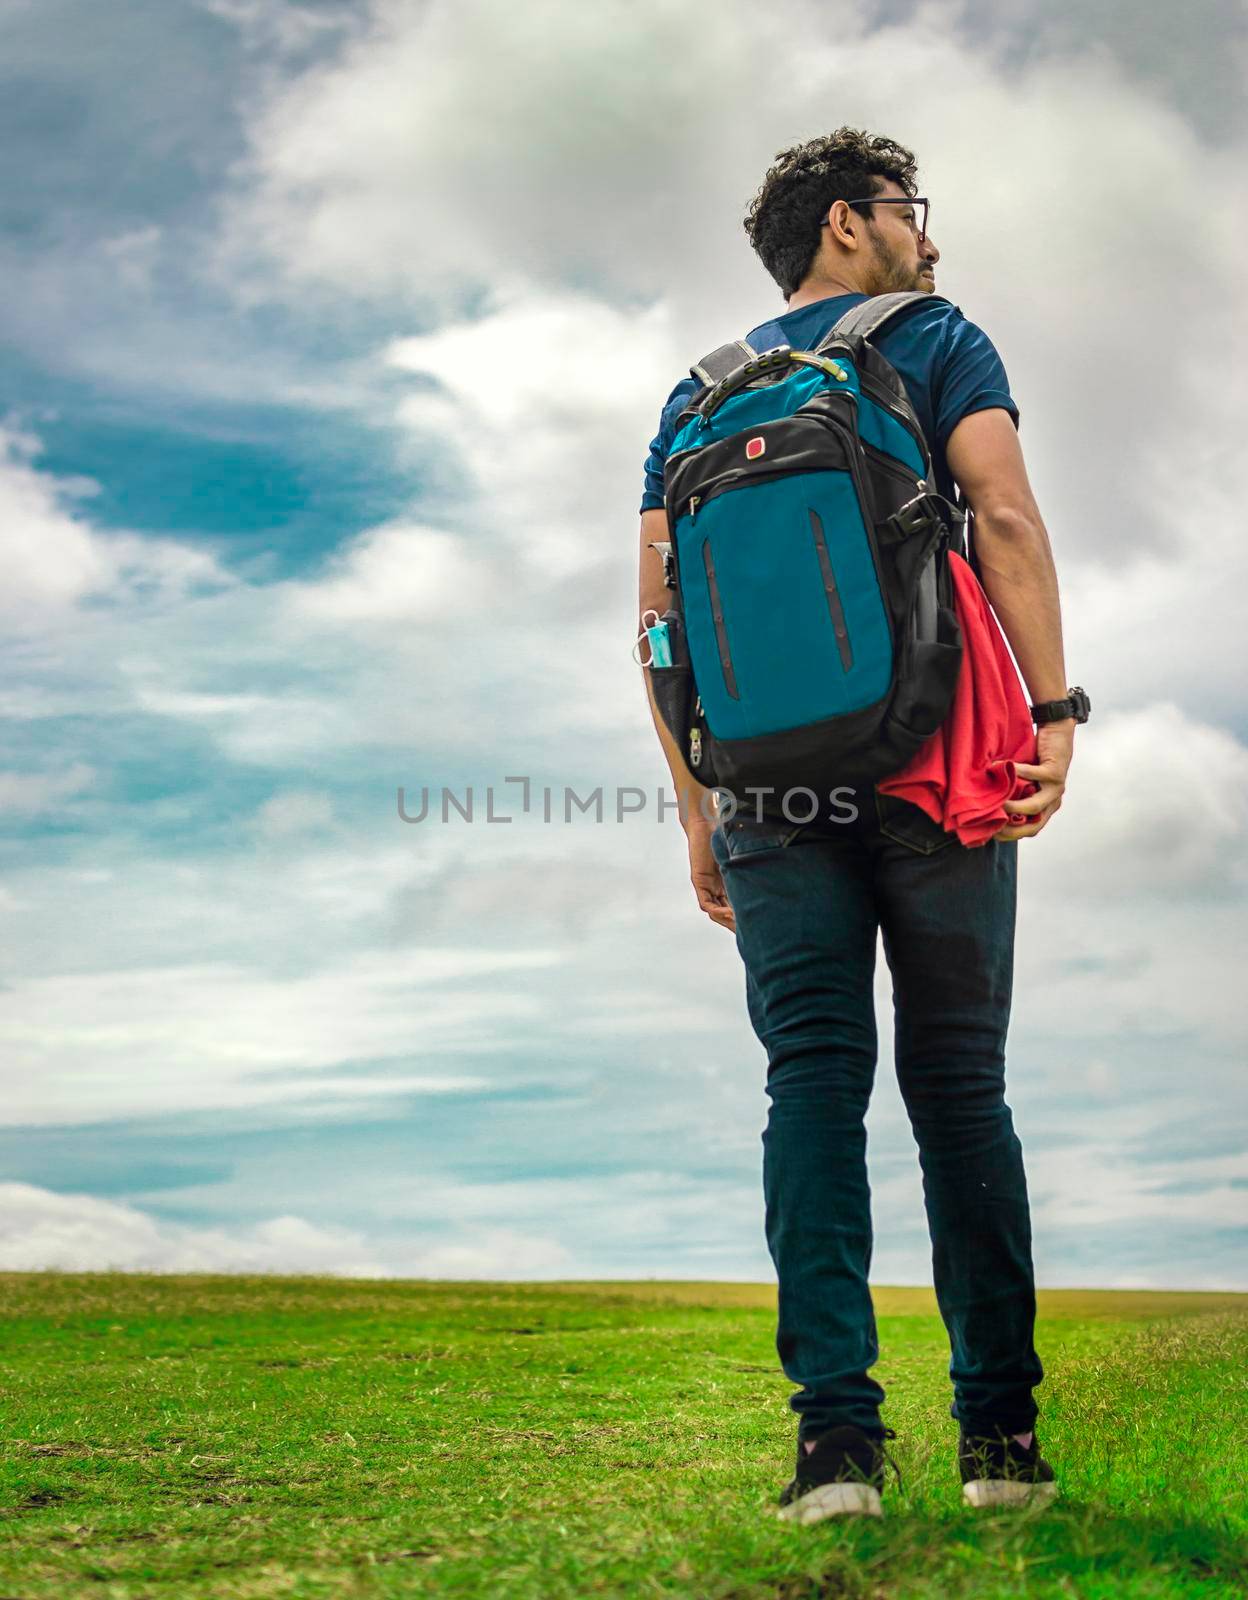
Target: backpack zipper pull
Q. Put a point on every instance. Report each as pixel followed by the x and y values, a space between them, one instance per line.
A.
pixel 695 747
pixel 693 507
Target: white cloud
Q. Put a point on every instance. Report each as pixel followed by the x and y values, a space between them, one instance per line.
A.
pixel 1091 1186
pixel 396 165
pixel 490 152
pixel 40 1229
pixel 35 793
pixel 1151 629
pixel 398 573
pixel 1157 810
pixel 280 27
pixel 81 1045
pixel 135 256
pixel 546 401
pixel 295 812
pixel 54 561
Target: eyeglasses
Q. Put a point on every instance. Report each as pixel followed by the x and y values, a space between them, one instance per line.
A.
pixel 891 200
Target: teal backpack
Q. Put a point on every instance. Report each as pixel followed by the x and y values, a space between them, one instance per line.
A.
pixel 812 633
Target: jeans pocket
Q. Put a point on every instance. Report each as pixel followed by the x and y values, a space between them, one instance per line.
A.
pixel 910 825
pixel 746 836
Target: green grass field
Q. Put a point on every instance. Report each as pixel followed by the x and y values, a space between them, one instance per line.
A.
pixel 244 1437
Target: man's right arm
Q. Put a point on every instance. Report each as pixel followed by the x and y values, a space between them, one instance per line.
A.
pixel 697 809
pixel 1020 580
pixel 654 595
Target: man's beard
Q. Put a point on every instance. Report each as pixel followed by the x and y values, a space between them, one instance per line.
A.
pixel 894 272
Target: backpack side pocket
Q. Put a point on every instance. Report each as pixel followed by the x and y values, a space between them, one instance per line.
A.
pixel 930 675
pixel 676 696
pixel 930 655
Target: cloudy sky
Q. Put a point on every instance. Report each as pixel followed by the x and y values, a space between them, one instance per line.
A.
pixel 332 339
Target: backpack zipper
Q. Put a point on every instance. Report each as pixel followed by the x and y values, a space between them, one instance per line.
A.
pixel 835 609
pixel 893 467
pixel 721 627
pixel 734 477
pixel 865 505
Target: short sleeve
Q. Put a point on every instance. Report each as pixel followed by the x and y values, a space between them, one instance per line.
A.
pixel 971 377
pixel 652 494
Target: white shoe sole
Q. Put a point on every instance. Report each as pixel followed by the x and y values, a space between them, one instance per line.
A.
pixel 834 1500
pixel 987 1492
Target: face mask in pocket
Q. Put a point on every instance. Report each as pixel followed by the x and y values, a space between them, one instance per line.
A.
pixel 657 635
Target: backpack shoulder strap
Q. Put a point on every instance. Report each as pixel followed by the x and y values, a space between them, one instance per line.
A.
pixel 868 317
pixel 721 361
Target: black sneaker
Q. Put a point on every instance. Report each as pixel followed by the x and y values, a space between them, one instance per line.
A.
pixel 844 1473
pixel 997 1471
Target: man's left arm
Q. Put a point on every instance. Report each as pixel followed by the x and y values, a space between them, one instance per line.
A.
pixel 1020 580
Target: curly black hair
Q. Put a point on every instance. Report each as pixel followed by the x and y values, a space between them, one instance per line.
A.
pixel 785 215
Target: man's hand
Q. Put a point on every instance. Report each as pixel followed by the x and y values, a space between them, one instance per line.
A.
pixel 704 872
pixel 1055 747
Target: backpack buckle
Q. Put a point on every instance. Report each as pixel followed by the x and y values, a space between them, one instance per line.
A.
pixel 917 516
pixel 664 547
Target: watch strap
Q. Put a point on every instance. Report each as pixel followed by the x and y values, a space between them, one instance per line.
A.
pixel 1053 710
pixel 1076 705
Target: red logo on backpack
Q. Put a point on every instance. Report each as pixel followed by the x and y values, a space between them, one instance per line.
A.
pixel 755 448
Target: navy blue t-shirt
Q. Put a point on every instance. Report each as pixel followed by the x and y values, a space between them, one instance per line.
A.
pixel 950 367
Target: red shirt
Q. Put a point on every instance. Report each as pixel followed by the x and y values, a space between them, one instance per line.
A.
pixel 964 774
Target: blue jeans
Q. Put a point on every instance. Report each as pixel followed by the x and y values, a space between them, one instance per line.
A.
pixel 808 899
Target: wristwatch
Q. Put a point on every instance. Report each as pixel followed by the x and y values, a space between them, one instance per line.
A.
pixel 1077 706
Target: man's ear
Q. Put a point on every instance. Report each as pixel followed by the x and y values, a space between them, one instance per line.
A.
pixel 851 234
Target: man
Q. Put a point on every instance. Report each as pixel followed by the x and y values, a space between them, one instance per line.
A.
pixel 836 221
